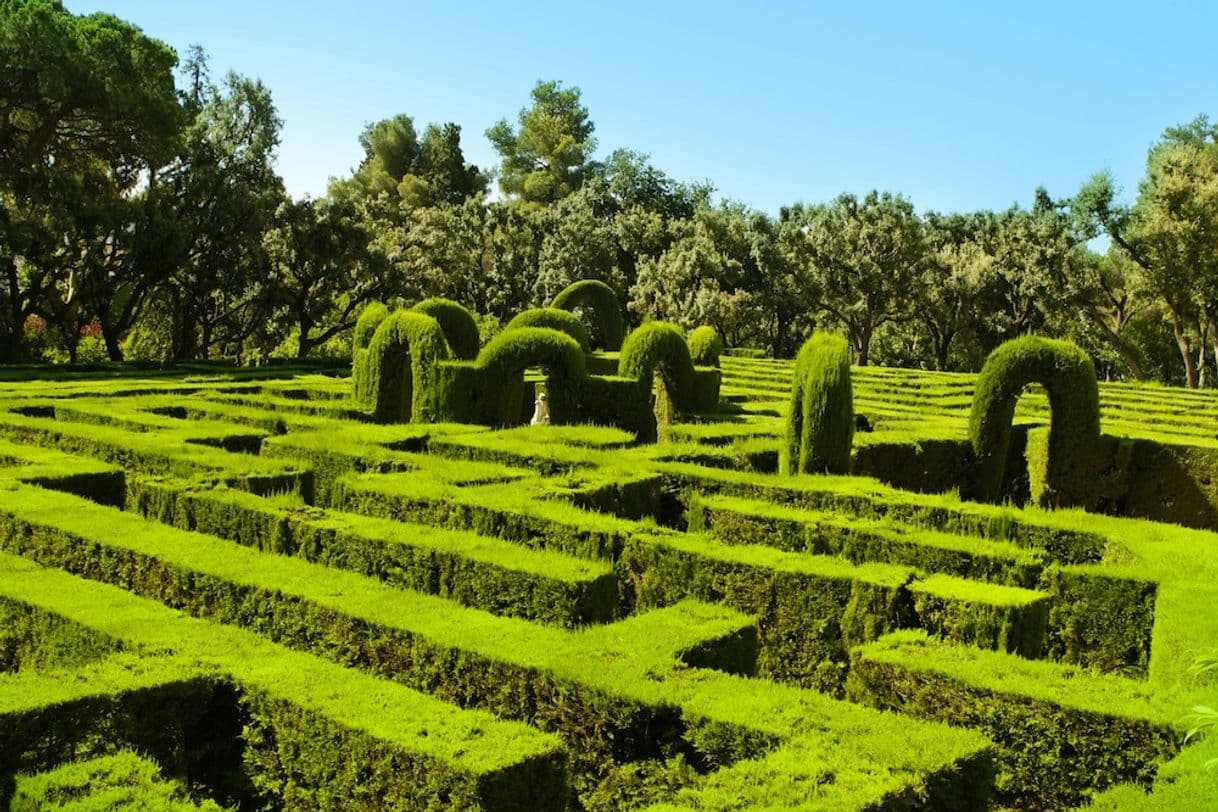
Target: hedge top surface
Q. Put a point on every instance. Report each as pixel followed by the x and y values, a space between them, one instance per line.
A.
pixel 460 328
pixel 555 319
pixel 595 295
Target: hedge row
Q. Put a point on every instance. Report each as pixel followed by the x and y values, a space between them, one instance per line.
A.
pixel 478 571
pixel 304 717
pixel 1054 746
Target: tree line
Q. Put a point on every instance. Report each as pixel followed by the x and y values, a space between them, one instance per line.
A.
pixel 141 216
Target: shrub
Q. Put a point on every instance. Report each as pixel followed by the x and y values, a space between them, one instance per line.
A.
pixel 658 347
pixel 554 319
pixel 1068 375
pixel 400 367
pixel 705 346
pixel 365 327
pixel 820 420
pixel 591 294
pixel 504 359
pixel 459 326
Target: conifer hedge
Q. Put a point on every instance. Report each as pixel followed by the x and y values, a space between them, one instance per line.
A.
pixel 820 420
pixel 365 328
pixel 460 328
pixel 596 296
pixel 554 319
pixel 400 367
pixel 705 346
pixel 1068 376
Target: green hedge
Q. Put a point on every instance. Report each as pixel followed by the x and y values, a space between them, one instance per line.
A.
pixel 555 319
pixel 820 418
pixel 705 346
pixel 1053 749
pixel 609 326
pixel 459 326
pixel 504 359
pixel 365 328
pixel 1068 375
pixel 400 369
pixel 124 781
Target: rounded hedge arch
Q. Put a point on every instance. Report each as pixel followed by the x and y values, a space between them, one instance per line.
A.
pixel 596 296
pixel 820 420
pixel 554 319
pixel 460 328
pixel 365 327
pixel 505 358
pixel 400 366
pixel 1068 375
pixel 705 346
pixel 658 347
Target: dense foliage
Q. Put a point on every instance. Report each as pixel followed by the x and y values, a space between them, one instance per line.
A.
pixel 143 219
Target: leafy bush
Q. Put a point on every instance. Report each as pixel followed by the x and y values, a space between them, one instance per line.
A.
pixel 1068 375
pixel 591 294
pixel 554 319
pixel 459 326
pixel 820 419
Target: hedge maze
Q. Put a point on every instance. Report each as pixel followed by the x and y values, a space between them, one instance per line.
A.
pixel 391 592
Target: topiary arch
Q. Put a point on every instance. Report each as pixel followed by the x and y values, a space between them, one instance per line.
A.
pixel 820 420
pixel 654 349
pixel 596 296
pixel 554 319
pixel 1068 375
pixel 505 358
pixel 365 327
pixel 400 366
pixel 460 328
pixel 705 346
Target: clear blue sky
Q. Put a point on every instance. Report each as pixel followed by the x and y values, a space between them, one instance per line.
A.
pixel 957 105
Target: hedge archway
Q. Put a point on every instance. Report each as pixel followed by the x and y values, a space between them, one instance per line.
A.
pixel 658 348
pixel 460 328
pixel 400 367
pixel 554 319
pixel 505 358
pixel 365 327
pixel 597 297
pixel 820 420
pixel 1068 375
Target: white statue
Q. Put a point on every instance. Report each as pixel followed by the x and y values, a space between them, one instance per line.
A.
pixel 541 411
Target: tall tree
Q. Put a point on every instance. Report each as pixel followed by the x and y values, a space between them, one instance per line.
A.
pixel 1171 233
pixel 865 256
pixel 549 154
pixel 401 171
pixel 87 110
pixel 324 270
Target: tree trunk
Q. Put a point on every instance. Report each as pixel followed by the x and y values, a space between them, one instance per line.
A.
pixel 13 350
pixel 110 336
pixel 863 344
pixel 1186 352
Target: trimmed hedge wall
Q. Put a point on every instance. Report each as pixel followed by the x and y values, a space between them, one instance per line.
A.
pixel 820 419
pixel 460 328
pixel 705 346
pixel 1068 375
pixel 609 327
pixel 400 368
pixel 555 319
pixel 1049 755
